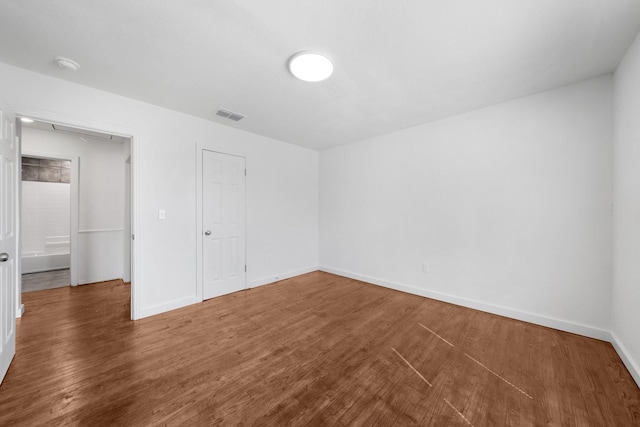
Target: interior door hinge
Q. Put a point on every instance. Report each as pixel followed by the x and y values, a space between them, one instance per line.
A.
pixel 245 172
pixel 133 237
pixel 245 268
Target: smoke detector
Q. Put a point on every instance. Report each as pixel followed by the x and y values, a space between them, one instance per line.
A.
pixel 66 63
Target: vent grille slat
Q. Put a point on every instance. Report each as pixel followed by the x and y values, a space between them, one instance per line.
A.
pixel 229 115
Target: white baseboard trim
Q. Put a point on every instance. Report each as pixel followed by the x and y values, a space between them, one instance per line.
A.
pixel 20 311
pixel 287 275
pixel 624 354
pixel 550 322
pixel 158 309
pixel 183 302
pixel 98 279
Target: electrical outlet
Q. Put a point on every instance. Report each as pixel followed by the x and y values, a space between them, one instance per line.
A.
pixel 162 214
pixel 425 267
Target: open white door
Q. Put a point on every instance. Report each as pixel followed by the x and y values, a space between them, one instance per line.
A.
pixel 8 190
pixel 223 224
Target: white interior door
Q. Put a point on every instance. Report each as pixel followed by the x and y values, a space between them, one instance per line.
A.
pixel 223 224
pixel 8 255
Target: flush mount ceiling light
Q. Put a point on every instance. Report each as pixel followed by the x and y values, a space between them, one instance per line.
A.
pixel 66 63
pixel 310 66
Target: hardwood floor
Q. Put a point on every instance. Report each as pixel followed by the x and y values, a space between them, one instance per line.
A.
pixel 314 350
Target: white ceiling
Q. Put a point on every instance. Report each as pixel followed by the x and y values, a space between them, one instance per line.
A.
pixel 398 63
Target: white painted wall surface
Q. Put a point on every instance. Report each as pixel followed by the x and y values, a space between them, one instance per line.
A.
pixel 281 186
pixel 100 255
pixel 626 180
pixel 509 207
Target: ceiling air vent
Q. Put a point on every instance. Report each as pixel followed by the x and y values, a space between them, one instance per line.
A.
pixel 229 115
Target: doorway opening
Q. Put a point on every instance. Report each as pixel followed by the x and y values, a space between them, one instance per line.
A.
pixel 46 223
pixel 97 244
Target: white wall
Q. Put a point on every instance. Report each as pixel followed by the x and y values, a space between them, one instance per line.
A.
pixel 101 198
pixel 509 207
pixel 626 179
pixel 282 218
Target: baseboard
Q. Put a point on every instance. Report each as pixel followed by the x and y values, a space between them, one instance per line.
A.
pixel 625 355
pixel 20 311
pixel 46 269
pixel 282 276
pixel 550 322
pixel 183 302
pixel 158 309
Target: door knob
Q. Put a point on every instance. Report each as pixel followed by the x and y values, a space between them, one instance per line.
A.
pixel 207 233
pixel 4 257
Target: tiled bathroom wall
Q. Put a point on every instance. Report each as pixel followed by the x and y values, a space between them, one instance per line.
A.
pixel 46 170
pixel 45 214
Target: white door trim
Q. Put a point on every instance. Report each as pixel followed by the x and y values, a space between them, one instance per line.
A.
pixel 136 174
pixel 126 244
pixel 199 230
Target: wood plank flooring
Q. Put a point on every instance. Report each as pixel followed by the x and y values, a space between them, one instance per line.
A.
pixel 314 350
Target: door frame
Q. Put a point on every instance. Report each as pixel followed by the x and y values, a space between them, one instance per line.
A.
pixel 200 147
pixel 112 129
pixel 127 221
